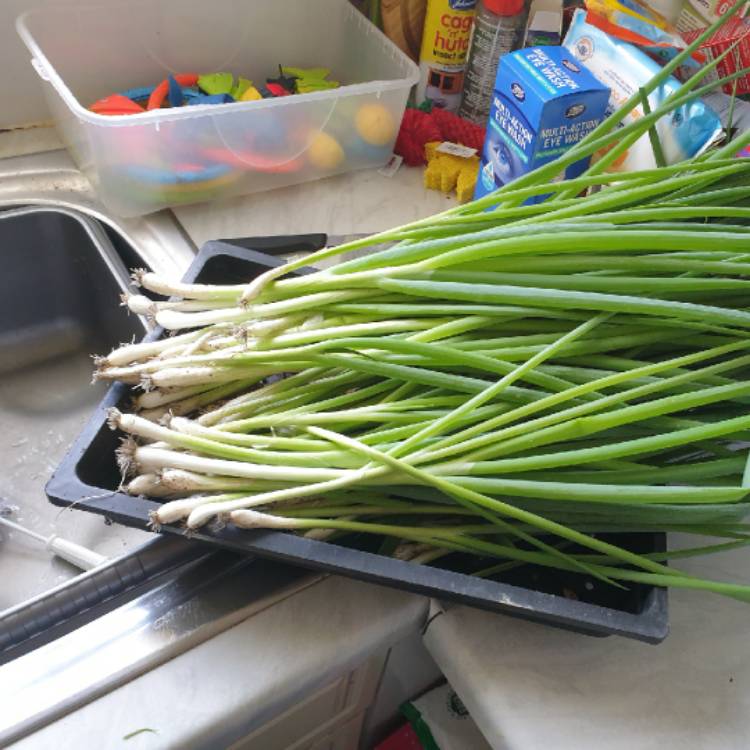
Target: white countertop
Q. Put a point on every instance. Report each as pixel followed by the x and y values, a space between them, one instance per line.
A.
pixel 357 202
pixel 531 687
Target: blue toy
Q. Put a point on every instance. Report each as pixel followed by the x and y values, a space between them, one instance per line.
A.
pixel 165 176
pixel 138 94
pixel 357 148
pixel 174 92
pixel 210 99
pixel 190 93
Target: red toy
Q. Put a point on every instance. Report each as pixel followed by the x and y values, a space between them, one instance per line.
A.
pixel 159 94
pixel 116 104
pixel 277 89
pixel 419 127
pixel 254 162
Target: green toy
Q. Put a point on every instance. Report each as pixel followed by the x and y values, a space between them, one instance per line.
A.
pixel 309 79
pixel 216 83
pixel 239 88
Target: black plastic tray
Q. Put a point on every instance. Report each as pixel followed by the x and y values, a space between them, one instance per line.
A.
pixel 88 478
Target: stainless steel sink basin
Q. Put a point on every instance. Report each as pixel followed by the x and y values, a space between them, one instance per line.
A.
pixel 58 306
pixel 51 180
pixel 66 637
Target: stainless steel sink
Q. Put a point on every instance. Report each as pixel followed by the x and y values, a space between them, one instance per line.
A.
pixel 67 637
pixel 52 180
pixel 58 306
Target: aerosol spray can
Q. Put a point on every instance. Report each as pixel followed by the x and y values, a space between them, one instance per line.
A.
pixel 445 45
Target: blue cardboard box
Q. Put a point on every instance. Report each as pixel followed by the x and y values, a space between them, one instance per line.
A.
pixel 544 102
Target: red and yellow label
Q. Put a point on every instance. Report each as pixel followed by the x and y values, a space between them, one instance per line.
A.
pixel 447 31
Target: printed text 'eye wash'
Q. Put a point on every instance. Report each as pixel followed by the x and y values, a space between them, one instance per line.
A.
pixel 544 102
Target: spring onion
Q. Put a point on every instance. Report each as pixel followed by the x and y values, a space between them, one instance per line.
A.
pixel 503 381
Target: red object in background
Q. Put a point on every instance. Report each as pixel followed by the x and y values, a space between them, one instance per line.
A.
pixel 116 104
pixel 504 7
pixel 458 130
pixel 276 89
pixel 569 8
pixel 253 162
pixel 419 128
pixel 160 92
pixel 733 31
pixel 402 739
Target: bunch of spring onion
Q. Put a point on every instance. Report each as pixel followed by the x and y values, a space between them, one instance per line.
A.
pixel 504 380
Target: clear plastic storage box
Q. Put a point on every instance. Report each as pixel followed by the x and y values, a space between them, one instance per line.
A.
pixel 143 162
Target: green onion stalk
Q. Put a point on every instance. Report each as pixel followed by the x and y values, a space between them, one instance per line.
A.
pixel 508 382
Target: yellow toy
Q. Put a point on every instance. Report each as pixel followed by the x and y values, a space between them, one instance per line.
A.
pixel 250 94
pixel 447 172
pixel 375 124
pixel 324 151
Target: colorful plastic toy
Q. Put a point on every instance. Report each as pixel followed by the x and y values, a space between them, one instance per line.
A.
pixel 276 89
pixel 190 93
pixel 250 94
pixel 188 183
pixel 359 150
pixel 159 94
pixel 183 89
pixel 240 88
pixel 116 104
pixel 304 73
pixel 305 80
pixel 185 173
pixel 288 83
pixel 325 152
pixel 250 161
pixel 216 83
pixel 174 93
pixel 141 93
pixel 210 99
pixel 199 168
pixel 375 124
